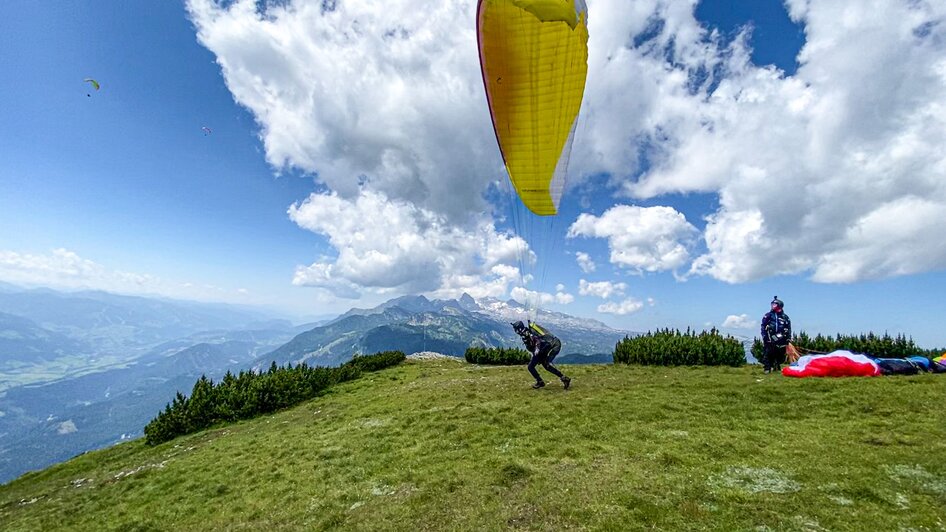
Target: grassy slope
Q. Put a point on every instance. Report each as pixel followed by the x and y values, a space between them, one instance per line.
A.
pixel 446 445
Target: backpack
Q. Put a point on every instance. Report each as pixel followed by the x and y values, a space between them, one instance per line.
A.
pixel 538 330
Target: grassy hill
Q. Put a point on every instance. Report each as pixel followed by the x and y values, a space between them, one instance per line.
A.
pixel 441 444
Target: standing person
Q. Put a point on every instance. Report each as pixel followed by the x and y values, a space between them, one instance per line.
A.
pixel 544 346
pixel 776 334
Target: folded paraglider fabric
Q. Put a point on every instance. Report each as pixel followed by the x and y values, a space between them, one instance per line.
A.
pixel 922 363
pixel 834 364
pixel 901 366
pixel 938 367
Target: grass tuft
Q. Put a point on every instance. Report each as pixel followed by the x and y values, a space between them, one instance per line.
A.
pixel 510 474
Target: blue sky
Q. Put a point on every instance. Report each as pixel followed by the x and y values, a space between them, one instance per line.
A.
pixel 754 139
pixel 126 177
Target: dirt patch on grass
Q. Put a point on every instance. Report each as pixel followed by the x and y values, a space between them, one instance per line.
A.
pixel 918 477
pixel 754 480
pixel 430 355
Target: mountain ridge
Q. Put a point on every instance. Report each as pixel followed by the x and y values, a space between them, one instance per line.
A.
pixel 416 323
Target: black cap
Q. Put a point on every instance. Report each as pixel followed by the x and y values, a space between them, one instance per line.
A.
pixel 518 326
pixel 777 302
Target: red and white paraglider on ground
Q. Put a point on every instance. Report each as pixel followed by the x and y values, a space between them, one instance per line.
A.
pixel 834 364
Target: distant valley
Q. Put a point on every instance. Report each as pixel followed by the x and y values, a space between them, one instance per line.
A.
pixel 80 371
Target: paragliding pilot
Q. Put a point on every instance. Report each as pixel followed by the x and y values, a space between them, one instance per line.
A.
pixel 776 334
pixel 544 346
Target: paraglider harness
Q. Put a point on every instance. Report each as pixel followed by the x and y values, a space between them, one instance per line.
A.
pixel 777 327
pixel 776 336
pixel 537 340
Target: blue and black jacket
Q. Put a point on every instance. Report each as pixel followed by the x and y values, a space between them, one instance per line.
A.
pixel 776 329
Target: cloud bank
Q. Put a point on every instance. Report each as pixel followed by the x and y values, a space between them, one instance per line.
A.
pixel 835 172
pixel 65 269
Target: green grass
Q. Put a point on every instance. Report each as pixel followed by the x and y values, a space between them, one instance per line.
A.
pixel 441 444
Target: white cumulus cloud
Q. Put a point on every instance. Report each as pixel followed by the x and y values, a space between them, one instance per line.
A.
pixel 643 239
pixel 835 171
pixel 533 299
pixel 387 91
pixel 741 321
pixel 494 283
pixel 812 170
pixel 602 289
pixel 383 243
pixel 627 306
pixel 585 262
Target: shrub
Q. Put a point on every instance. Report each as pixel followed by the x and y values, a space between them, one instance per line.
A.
pixel 251 394
pixel 497 356
pixel 884 346
pixel 377 361
pixel 668 347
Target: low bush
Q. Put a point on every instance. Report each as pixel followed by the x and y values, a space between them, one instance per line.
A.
pixel 497 356
pixel 377 361
pixel 885 346
pixel 668 347
pixel 251 394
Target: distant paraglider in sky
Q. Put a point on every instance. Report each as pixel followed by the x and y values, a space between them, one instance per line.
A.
pixel 206 130
pixel 95 85
pixel 534 60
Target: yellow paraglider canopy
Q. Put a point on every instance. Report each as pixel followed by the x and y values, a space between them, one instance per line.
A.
pixel 534 58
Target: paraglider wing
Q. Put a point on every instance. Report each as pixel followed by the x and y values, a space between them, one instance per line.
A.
pixel 534 60
pixel 834 364
pixel 206 130
pixel 93 82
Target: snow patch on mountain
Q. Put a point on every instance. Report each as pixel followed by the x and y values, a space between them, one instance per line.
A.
pixel 487 308
pixel 66 427
pixel 511 311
